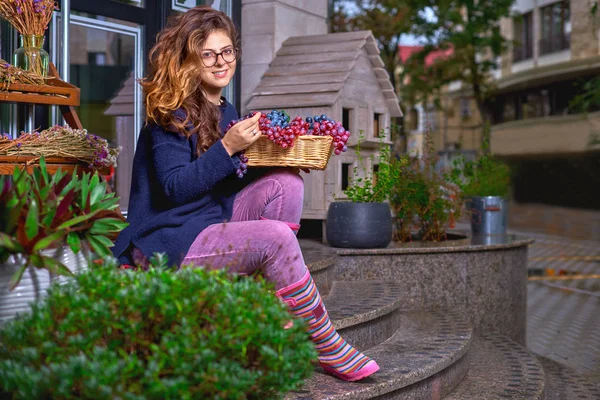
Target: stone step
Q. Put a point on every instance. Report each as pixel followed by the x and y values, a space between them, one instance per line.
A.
pixel 564 383
pixel 365 313
pixel 424 359
pixel 320 260
pixel 500 369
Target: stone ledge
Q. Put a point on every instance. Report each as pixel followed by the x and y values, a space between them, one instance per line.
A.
pixel 500 369
pixel 564 383
pixel 428 347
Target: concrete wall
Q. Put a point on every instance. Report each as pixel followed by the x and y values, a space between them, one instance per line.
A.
pixel 552 220
pixel 266 25
pixel 547 135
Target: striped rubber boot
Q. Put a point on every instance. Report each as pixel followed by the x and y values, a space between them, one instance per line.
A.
pixel 336 356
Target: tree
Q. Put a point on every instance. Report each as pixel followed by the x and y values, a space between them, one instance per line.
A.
pixel 388 20
pixel 471 28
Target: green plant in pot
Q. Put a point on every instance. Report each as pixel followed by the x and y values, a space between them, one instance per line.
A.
pixel 50 225
pixel 155 334
pixel 485 187
pixel 424 202
pixel 364 219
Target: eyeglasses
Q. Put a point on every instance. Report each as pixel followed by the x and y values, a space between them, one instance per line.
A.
pixel 209 58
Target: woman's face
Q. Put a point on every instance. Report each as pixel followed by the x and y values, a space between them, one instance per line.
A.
pixel 219 75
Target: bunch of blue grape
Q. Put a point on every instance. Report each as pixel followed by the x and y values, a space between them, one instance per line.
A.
pixel 243 168
pixel 283 131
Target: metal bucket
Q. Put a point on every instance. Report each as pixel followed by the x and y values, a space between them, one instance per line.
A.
pixel 489 215
pixel 34 283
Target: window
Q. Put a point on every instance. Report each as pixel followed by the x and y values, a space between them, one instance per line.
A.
pixel 346 114
pixel 376 124
pixel 97 58
pixel 375 172
pixel 346 169
pixel 523 36
pixel 430 119
pixel 556 28
pixel 465 107
pixel 413 119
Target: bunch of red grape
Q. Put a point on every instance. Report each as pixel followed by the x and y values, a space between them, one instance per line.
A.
pixel 278 127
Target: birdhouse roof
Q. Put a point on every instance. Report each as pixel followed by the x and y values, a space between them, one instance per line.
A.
pixel 310 71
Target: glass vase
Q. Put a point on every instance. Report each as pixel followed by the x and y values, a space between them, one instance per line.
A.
pixel 31 56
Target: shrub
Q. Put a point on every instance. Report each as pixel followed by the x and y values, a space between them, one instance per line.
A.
pixel 423 194
pixel 374 187
pixel 158 334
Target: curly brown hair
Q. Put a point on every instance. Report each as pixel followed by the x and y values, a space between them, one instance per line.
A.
pixel 174 79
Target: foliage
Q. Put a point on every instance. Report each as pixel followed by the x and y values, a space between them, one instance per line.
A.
pixel 121 334
pixel 388 20
pixel 484 176
pixel 422 193
pixel 588 97
pixel 471 30
pixel 370 187
pixel 39 211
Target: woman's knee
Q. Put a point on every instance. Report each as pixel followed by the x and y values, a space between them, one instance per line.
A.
pixel 278 234
pixel 289 180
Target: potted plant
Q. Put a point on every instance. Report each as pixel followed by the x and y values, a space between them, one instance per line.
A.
pixel 364 220
pixel 155 334
pixel 485 186
pixel 44 220
pixel 424 203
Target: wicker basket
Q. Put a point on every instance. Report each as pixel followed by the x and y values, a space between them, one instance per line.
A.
pixel 309 151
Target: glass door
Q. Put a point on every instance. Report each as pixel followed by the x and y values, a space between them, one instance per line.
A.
pixel 106 61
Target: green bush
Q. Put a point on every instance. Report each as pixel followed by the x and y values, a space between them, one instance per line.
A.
pixel 122 334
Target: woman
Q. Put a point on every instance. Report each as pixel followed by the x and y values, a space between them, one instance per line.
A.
pixel 186 198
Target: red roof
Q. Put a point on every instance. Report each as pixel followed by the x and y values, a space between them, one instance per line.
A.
pixel 404 52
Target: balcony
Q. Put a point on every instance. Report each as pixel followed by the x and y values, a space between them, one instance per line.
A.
pixel 555 43
pixel 521 53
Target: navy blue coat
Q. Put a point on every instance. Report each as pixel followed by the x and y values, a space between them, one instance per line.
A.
pixel 175 194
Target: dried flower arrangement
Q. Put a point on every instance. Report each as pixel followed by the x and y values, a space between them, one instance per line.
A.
pixel 62 141
pixel 28 17
pixel 11 74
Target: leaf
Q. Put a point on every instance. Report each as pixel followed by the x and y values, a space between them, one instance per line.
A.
pixel 97 193
pixel 10 243
pixel 107 225
pixel 43 170
pixel 100 244
pixel 77 220
pixel 55 266
pixel 74 242
pixel 48 241
pixel 64 206
pixel 32 221
pixel 84 190
pixel 16 277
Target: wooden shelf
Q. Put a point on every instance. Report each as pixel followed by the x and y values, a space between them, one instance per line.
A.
pixel 55 92
pixel 8 164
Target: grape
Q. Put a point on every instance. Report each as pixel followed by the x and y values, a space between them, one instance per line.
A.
pixel 277 126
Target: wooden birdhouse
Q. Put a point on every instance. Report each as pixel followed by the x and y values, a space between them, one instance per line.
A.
pixel 340 75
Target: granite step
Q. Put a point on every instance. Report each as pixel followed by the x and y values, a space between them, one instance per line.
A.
pixel 564 383
pixel 320 260
pixel 365 313
pixel 426 358
pixel 500 369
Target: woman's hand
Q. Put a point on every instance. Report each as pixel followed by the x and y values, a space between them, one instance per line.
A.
pixel 242 135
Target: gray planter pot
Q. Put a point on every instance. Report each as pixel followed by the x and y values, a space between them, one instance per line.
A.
pixel 359 225
pixel 489 215
pixel 34 283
